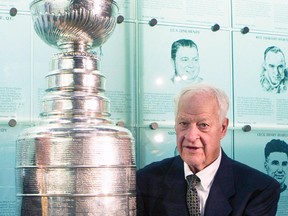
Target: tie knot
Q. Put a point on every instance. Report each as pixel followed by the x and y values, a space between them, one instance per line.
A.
pixel 193 180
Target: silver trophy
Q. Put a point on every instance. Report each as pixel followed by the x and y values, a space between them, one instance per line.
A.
pixel 75 161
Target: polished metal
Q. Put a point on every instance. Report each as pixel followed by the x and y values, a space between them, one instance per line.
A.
pixel 74 24
pixel 75 161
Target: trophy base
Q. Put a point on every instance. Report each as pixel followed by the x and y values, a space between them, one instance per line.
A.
pixel 81 206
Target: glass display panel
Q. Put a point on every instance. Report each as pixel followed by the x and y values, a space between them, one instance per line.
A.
pixel 161 78
pixel 15 69
pixel 250 148
pixel 265 15
pixel 260 74
pixel 156 145
pixel 118 66
pixel 127 8
pixel 8 137
pixel 20 5
pixel 195 12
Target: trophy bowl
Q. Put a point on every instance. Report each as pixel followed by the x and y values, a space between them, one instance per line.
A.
pixel 74 23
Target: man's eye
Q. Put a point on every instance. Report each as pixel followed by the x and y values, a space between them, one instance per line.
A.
pixel 203 125
pixel 195 59
pixel 275 163
pixel 184 59
pixel 183 123
pixel 284 163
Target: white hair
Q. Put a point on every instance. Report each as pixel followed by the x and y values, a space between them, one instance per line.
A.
pixel 220 96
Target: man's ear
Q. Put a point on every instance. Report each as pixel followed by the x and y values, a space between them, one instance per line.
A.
pixel 266 165
pixel 264 65
pixel 224 126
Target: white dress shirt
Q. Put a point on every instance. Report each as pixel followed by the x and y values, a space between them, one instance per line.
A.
pixel 206 176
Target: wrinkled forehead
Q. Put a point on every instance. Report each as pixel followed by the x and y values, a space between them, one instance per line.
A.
pixel 197 102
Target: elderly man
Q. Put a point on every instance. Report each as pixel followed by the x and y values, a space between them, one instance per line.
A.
pixel 203 180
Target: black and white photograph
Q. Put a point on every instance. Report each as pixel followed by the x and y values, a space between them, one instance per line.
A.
pixel 273 77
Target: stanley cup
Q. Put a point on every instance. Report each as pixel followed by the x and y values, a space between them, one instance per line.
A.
pixel 75 161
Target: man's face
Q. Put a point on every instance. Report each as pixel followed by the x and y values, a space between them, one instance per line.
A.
pixel 187 63
pixel 199 130
pixel 276 166
pixel 275 66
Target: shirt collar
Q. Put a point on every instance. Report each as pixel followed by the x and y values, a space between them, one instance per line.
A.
pixel 206 175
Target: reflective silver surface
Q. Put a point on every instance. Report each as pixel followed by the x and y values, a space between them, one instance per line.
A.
pixel 61 23
pixel 75 161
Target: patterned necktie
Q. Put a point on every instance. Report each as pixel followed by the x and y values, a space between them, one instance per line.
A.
pixel 192 196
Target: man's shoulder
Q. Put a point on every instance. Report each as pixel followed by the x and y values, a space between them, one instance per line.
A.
pixel 155 171
pixel 152 176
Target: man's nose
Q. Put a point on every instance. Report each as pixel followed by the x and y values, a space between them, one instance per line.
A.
pixel 192 133
pixel 279 70
pixel 192 63
pixel 280 168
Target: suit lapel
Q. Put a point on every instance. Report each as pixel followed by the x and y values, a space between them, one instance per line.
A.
pixel 222 189
pixel 174 190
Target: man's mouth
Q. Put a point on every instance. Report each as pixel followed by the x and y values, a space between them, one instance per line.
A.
pixel 192 148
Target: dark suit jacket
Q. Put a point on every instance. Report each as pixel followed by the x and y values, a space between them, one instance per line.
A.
pixel 237 190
